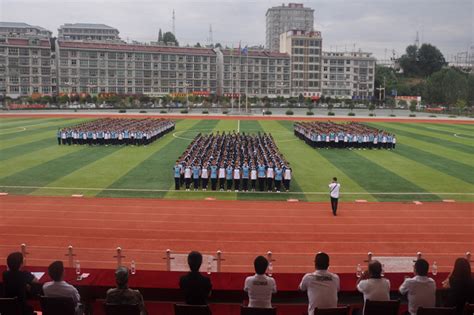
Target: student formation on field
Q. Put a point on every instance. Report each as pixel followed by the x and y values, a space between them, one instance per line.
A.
pixel 233 162
pixel 321 286
pixel 110 131
pixel 350 136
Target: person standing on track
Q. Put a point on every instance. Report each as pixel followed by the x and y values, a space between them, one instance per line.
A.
pixel 334 188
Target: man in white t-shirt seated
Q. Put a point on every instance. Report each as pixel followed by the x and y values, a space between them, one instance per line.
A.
pixel 321 285
pixel 421 289
pixel 372 285
pixel 260 287
pixel 60 288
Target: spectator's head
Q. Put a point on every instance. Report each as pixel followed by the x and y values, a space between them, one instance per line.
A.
pixel 56 271
pixel 422 267
pixel 321 261
pixel 15 261
pixel 121 277
pixel 375 269
pixel 334 179
pixel 194 261
pixel 261 264
pixel 461 272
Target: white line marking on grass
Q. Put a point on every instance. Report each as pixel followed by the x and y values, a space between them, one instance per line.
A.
pixel 217 192
pixel 460 136
pixel 13 131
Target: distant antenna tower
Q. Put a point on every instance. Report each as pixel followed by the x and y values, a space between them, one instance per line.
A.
pixel 173 26
pixel 210 39
pixel 417 40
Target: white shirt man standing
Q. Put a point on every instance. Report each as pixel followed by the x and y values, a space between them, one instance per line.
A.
pixel 334 188
pixel 321 285
pixel 260 287
pixel 421 289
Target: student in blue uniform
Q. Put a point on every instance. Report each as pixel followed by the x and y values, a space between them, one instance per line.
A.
pixel 177 175
pixel 196 175
pixel 245 176
pixel 228 176
pixel 261 173
pixel 214 169
pixel 278 177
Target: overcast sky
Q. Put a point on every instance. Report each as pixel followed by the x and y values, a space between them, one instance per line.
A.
pixel 377 26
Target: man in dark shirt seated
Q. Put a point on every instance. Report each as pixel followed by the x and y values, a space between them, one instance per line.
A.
pixel 122 294
pixel 17 282
pixel 195 287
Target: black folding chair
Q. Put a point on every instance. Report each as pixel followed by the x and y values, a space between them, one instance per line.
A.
pixel 10 306
pixel 122 309
pixel 381 307
pixel 436 311
pixel 57 305
pixel 468 309
pixel 341 310
pixel 245 310
pixel 184 309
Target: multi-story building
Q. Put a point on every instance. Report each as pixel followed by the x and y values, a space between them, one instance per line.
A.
pixel 348 75
pixel 253 73
pixel 88 32
pixel 305 49
pixel 16 29
pixel 285 18
pixel 25 66
pixel 92 67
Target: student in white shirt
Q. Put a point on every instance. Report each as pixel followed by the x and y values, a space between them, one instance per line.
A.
pixel 60 288
pixel 270 176
pixel 187 176
pixel 321 285
pixel 334 188
pixel 253 178
pixel 205 176
pixel 372 285
pixel 221 177
pixel 260 287
pixel 421 289
pixel 287 178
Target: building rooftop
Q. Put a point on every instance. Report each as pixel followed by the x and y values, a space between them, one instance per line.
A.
pixel 347 54
pixel 87 25
pixel 44 42
pixel 136 48
pixel 255 53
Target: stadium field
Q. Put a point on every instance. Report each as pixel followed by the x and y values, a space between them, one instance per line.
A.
pixel 432 162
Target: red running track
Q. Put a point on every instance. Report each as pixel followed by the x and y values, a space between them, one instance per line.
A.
pixel 145 228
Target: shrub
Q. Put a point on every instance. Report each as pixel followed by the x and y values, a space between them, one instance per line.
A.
pixel 331 114
pixel 225 112
pixel 371 115
pixel 122 111
pixel 433 116
pixel 351 114
pixel 452 116
pixel 143 112
pixel 412 115
pixel 289 112
pixel 205 112
pixel 392 115
pixel 163 111
pixel 309 113
pixel 267 112
pixel 183 111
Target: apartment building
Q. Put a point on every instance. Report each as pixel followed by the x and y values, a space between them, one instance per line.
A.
pixel 88 32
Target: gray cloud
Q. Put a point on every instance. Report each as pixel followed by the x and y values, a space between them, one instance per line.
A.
pixel 373 25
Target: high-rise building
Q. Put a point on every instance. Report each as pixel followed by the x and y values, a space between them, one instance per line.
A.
pixel 348 75
pixel 285 18
pixel 88 32
pixel 305 49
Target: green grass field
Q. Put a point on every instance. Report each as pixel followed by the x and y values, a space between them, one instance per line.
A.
pixel 429 164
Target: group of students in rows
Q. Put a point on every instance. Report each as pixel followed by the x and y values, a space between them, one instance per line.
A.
pixel 350 136
pixel 233 161
pixel 115 131
pixel 322 286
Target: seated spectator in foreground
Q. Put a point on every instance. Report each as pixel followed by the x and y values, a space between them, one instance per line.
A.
pixel 321 285
pixel 421 289
pixel 372 285
pixel 195 287
pixel 60 288
pixel 17 283
pixel 460 285
pixel 122 294
pixel 260 287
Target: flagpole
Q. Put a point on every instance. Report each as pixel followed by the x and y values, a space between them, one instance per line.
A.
pixel 247 85
pixel 240 71
pixel 232 79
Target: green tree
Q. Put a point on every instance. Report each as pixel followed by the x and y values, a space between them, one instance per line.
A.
pixel 218 45
pixel 351 106
pixel 461 105
pixel 198 45
pixel 402 103
pixel 330 107
pixel 446 87
pixel 390 102
pixel 408 61
pixel 430 59
pixel 371 107
pixel 390 77
pixel 412 106
pixel 169 37
pixel 63 99
pixel 470 88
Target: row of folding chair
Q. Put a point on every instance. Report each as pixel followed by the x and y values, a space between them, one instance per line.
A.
pixel 65 306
